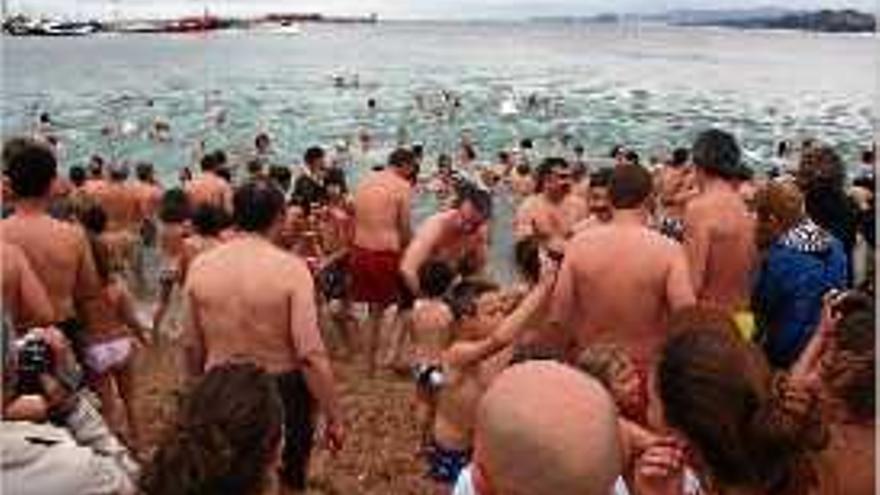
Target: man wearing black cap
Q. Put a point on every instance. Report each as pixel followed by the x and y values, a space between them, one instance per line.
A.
pixel 718 230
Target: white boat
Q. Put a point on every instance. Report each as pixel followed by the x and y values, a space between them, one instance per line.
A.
pixel 284 29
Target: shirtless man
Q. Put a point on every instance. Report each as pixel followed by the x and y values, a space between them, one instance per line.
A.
pixel 248 299
pixel 543 427
pixel 554 210
pixel 25 300
pixel 619 282
pixel 598 202
pixel 718 229
pixel 95 182
pixel 458 237
pixel 147 191
pixel 381 233
pixel 210 188
pixel 58 252
pixel 121 205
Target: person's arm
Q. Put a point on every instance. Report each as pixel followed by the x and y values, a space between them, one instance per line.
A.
pixel 129 315
pixel 404 218
pixel 679 289
pixel 807 363
pixel 696 244
pixel 227 198
pixel 87 289
pixel 193 336
pixel 465 354
pixel 524 222
pixel 309 347
pixel 418 251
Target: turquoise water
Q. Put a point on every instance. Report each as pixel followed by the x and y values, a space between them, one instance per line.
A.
pixel 647 86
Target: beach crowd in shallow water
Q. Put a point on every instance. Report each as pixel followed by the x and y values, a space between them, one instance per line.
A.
pixel 686 327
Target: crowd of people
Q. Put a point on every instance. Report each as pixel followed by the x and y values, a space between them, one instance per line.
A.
pixel 686 328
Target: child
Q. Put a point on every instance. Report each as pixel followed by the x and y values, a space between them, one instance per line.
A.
pixel 610 365
pixel 468 365
pixel 114 337
pixel 432 319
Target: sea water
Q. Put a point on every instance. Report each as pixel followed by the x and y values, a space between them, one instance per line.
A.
pixel 652 87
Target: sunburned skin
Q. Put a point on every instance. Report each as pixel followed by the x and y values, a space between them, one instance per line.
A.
pixel 551 221
pixel 432 321
pixel 619 283
pixel 59 255
pixel 381 212
pixel 24 297
pixel 208 188
pixel 720 246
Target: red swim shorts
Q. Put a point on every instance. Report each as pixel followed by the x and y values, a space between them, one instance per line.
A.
pixel 374 275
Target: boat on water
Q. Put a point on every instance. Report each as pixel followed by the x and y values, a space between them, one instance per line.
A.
pixel 284 28
pixel 22 26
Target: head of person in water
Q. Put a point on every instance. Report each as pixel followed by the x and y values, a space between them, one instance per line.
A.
pixel 631 188
pixel 262 143
pixel 30 167
pixel 600 195
pixel 145 172
pixel 403 162
pixel 473 207
pixel 679 158
pixel 96 167
pixel 545 428
pixel 716 155
pixel 418 152
pixel 228 437
pixel 282 176
pixel 77 176
pixel 444 164
pixel 554 178
pixel 504 158
pixel 259 207
pixel 371 103
pixel 467 153
pixel 526 144
pixel 716 392
pixel 869 158
pixel 779 206
pixel 174 207
pixel 254 168
pixel 315 159
pixel 579 151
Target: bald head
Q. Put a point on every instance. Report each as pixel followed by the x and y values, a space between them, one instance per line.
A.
pixel 543 427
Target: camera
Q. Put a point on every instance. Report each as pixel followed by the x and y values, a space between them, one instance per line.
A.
pixel 34 358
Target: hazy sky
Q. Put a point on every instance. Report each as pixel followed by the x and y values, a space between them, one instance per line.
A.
pixel 454 9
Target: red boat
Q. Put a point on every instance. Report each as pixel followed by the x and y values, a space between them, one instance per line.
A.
pixel 194 25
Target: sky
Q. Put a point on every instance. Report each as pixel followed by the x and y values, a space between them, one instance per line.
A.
pixel 399 9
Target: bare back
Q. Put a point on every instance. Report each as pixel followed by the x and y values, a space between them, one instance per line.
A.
pixel 120 203
pixel 381 209
pixel 248 299
pixel 720 243
pixel 619 283
pixel 60 256
pixel 209 189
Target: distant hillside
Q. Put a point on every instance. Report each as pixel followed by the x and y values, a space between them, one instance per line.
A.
pixel 835 21
pixel 829 21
